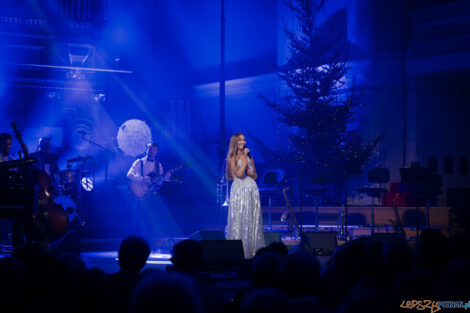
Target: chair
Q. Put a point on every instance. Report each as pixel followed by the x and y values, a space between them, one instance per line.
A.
pixel 319 181
pixel 426 187
pixel 271 184
pixel 378 175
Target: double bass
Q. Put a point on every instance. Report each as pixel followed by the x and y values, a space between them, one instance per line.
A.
pixel 20 139
pixel 51 218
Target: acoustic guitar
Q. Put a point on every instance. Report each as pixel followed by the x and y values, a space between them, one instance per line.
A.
pixel 142 190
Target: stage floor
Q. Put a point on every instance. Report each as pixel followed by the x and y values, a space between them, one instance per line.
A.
pixel 102 252
pixel 108 260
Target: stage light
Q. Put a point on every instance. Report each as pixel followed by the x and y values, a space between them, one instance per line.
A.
pixel 74 74
pixel 87 184
pixel 100 97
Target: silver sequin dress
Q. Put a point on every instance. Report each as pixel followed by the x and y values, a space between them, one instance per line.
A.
pixel 244 214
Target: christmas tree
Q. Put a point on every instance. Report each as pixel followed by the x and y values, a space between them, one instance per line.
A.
pixel 321 106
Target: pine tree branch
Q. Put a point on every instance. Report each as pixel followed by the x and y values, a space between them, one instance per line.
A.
pixel 320 110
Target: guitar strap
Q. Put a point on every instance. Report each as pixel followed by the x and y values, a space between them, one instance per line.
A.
pixel 142 167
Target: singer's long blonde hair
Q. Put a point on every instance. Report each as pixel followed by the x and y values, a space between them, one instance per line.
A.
pixel 232 151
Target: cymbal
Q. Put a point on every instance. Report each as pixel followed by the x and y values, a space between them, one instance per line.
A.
pixel 79 159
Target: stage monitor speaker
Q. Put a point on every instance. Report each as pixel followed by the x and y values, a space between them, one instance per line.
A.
pixel 207 235
pixel 459 201
pixel 222 255
pixel 272 236
pixel 383 237
pixel 319 243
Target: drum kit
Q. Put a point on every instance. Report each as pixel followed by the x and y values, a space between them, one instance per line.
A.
pixel 69 182
pixel 68 185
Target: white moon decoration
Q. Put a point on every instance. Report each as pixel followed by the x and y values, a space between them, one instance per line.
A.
pixel 132 137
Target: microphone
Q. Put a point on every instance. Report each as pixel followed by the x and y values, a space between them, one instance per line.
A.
pixel 82 132
pixel 249 154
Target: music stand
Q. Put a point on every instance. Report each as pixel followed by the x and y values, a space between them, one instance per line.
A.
pixel 319 180
pixel 426 185
pixel 351 167
pixel 272 183
pixel 306 168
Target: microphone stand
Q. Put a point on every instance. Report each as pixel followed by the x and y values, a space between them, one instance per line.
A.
pixel 107 150
pixel 301 191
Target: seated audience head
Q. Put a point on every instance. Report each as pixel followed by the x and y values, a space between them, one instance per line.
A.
pixel 187 256
pixel 133 253
pixel 458 246
pixel 433 251
pixel 300 275
pixel 397 257
pixel 92 292
pixel 265 270
pixel 279 248
pixel 166 292
pixel 74 265
pixel 356 260
pixel 417 285
pixel 367 301
pixel 12 273
pixel 264 300
pixel 260 252
pixel 457 276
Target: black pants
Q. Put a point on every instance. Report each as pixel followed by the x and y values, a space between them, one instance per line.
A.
pixel 153 218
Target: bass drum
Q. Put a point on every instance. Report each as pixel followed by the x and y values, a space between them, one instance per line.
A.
pixel 59 217
pixel 56 222
pixel 69 207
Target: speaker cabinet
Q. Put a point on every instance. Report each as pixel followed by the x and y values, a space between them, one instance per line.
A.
pixel 207 235
pixel 222 255
pixel 319 243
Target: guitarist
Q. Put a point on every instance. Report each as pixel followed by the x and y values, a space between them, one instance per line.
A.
pixel 147 169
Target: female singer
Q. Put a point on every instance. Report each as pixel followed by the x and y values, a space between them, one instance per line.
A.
pixel 244 212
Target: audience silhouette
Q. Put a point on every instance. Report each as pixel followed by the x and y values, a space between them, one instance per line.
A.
pixel 363 275
pixel 132 256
